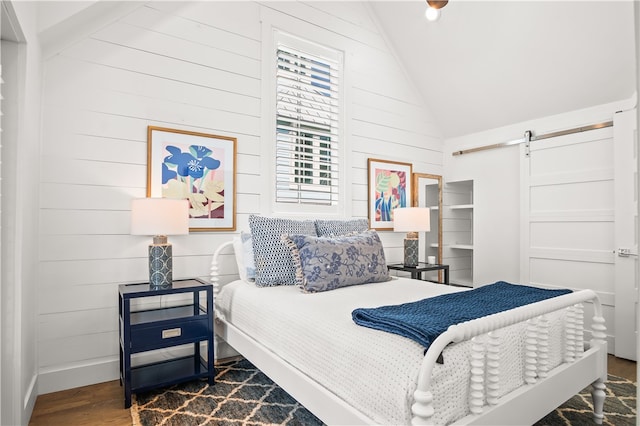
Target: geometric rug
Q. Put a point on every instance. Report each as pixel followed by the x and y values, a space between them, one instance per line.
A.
pixel 243 395
pixel 619 406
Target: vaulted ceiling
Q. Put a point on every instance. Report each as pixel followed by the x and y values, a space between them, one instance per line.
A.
pixel 486 64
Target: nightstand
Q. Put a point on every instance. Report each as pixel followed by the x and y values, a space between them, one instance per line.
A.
pixel 416 271
pixel 149 329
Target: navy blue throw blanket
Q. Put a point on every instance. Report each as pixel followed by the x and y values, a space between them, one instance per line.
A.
pixel 426 319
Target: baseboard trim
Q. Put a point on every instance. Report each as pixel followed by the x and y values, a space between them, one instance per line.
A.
pixel 107 369
pixel 30 397
pixel 77 375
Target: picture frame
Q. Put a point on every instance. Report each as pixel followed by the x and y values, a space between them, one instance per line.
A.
pixel 196 166
pixel 389 187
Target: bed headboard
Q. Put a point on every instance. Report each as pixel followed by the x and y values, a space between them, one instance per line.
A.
pixel 224 248
pixel 264 242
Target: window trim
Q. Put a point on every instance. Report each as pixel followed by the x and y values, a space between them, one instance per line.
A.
pixel 268 204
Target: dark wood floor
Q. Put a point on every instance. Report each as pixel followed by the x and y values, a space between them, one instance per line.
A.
pixel 622 368
pixel 102 404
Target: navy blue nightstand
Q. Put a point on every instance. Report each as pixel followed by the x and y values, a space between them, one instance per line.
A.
pixel 416 271
pixel 158 328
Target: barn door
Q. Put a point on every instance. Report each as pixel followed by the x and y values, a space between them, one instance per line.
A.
pixel 568 220
pixel 626 233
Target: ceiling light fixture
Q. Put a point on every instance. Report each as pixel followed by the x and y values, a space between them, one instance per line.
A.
pixel 433 11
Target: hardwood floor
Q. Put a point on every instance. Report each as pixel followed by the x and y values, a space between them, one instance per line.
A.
pixel 99 404
pixel 102 404
pixel 622 368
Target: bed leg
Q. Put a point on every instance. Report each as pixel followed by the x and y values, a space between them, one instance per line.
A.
pixel 422 408
pixel 599 339
pixel 598 395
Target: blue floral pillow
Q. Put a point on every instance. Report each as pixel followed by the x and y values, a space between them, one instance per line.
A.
pixel 327 263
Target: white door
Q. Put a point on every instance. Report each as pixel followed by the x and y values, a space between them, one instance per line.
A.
pixel 626 235
pixel 568 215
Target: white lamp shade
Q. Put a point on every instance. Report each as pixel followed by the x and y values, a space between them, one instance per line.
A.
pixel 411 219
pixel 159 216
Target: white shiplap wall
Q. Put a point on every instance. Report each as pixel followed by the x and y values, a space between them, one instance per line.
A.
pixel 193 66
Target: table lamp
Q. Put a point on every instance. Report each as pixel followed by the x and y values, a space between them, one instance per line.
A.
pixel 411 220
pixel 160 217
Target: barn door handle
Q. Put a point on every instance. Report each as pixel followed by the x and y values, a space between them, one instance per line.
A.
pixel 625 252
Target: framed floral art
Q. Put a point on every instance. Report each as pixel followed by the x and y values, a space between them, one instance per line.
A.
pixel 389 187
pixel 196 166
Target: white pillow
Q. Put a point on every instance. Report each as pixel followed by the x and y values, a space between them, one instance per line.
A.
pixel 237 248
pixel 247 255
pixel 243 248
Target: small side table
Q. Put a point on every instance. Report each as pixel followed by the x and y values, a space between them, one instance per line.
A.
pixel 164 327
pixel 416 271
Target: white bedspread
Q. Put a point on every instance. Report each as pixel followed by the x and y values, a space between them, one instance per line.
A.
pixel 373 371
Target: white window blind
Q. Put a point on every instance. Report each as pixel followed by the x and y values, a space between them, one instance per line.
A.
pixel 307 123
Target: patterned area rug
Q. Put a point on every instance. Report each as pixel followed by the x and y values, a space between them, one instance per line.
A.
pixel 619 406
pixel 243 395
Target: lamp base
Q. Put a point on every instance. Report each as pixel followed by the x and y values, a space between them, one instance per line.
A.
pixel 160 266
pixel 411 252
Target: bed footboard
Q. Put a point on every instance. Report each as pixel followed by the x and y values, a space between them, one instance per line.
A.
pixel 579 368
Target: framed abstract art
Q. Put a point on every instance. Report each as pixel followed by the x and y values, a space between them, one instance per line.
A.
pixel 198 167
pixel 390 186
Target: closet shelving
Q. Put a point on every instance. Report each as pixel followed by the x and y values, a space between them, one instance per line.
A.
pixel 461 206
pixel 462 246
pixel 432 196
pixel 457 216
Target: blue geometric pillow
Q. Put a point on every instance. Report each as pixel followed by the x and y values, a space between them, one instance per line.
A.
pixel 273 262
pixel 327 263
pixel 333 227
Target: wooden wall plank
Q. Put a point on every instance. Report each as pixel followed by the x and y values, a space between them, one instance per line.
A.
pixel 77 348
pixel 133 37
pixel 88 272
pixel 77 323
pixel 56 196
pixel 353 12
pixel 236 17
pixel 91 76
pixel 163 21
pixel 414 112
pixel 118 103
pixel 394 119
pixel 100 52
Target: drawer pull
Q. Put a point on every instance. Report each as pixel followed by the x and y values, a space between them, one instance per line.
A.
pixel 171 332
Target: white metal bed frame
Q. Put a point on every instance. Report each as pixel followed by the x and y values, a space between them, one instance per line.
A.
pixel 543 391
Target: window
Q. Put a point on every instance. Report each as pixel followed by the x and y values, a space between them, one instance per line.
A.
pixel 307 155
